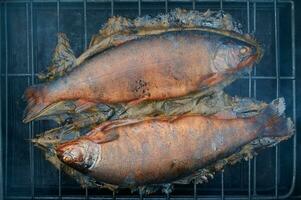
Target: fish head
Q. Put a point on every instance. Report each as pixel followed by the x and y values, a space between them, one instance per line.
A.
pixel 81 154
pixel 232 56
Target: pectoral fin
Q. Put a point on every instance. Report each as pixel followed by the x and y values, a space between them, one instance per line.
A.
pixel 107 138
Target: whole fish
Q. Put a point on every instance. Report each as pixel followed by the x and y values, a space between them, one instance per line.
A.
pixel 118 30
pixel 156 67
pixel 130 153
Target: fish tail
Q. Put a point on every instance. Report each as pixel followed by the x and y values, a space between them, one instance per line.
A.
pixel 275 124
pixel 34 96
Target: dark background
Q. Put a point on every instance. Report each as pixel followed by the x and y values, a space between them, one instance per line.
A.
pixel 298 82
pixel 25 169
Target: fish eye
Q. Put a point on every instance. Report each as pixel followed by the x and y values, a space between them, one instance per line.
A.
pixel 244 50
pixel 67 158
pixel 72 155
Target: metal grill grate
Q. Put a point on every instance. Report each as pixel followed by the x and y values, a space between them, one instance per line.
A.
pixel 14 80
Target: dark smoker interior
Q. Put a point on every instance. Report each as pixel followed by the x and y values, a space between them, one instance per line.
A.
pixel 28 38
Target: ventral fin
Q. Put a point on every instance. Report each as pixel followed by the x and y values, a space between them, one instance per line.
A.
pixel 63 60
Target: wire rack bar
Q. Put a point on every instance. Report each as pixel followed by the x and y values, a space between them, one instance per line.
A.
pixel 250 95
pixel 294 98
pixel 222 186
pixel 85 23
pixel 112 14
pixel 222 173
pixel 139 7
pixel 212 197
pixel 6 96
pixel 102 1
pixel 58 4
pixel 28 61
pixel 31 76
pixel 140 194
pixel 31 126
pixel 255 96
pixel 1 142
pixel 195 195
pixel 167 196
pixel 85 47
pixel 112 7
pixel 277 90
pixel 114 195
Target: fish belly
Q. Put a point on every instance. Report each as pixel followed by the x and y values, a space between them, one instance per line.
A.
pixel 161 152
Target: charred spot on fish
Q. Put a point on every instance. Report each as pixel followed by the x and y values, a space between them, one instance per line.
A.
pixel 141 88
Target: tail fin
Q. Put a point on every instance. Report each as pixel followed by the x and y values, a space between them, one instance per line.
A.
pixel 275 124
pixel 35 105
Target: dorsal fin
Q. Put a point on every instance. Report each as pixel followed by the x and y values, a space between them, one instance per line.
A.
pixel 63 60
pixel 175 18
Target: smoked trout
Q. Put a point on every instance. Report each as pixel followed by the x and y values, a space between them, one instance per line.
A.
pixel 163 66
pixel 130 153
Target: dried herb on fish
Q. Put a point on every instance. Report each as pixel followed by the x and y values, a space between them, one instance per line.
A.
pixel 217 104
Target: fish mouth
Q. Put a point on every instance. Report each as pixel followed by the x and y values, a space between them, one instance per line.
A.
pixel 254 58
pixel 259 53
pixel 247 62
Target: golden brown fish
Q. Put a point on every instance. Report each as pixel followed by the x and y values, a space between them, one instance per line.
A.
pixel 131 153
pixel 156 67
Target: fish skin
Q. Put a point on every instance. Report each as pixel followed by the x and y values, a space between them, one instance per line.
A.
pixel 159 151
pixel 158 67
